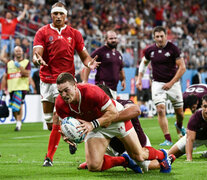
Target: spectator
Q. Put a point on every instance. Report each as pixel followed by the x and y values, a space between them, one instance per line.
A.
pixel 16 79
pixel 8 28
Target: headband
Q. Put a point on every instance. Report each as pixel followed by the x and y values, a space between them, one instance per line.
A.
pixel 59 9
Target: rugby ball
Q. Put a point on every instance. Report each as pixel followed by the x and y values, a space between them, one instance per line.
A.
pixel 68 127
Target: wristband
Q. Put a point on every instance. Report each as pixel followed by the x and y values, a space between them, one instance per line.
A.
pixel 95 123
pixel 38 62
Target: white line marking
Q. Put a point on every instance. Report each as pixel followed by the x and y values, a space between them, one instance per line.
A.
pixel 28 137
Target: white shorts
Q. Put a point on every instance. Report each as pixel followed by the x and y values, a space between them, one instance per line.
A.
pixel 119 129
pixel 48 92
pixel 159 96
pixel 113 93
pixel 182 142
pixel 148 143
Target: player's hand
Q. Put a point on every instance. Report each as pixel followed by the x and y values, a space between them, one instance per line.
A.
pixel 139 84
pixel 26 6
pixel 93 64
pixel 66 139
pixel 85 126
pixel 16 63
pixel 167 86
pixel 37 59
pixel 123 84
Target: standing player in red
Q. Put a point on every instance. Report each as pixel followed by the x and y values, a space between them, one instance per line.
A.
pixel 54 46
pixel 101 122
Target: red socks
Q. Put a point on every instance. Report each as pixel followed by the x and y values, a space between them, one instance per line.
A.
pixel 110 162
pixel 53 141
pixel 155 154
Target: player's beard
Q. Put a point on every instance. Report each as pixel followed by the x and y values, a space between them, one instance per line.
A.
pixel 112 45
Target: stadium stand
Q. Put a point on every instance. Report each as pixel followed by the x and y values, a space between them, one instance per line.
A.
pixel 133 21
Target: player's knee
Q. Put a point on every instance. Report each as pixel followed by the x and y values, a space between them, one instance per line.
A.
pixel 94 166
pixel 48 117
pixel 160 109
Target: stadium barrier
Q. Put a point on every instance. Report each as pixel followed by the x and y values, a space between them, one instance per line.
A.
pixel 32 111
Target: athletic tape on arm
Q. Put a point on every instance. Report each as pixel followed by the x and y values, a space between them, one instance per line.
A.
pixel 143 65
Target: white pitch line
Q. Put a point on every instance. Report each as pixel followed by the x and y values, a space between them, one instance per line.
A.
pixel 28 137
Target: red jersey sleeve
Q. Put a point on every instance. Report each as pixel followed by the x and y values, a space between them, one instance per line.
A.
pixel 15 20
pixel 39 38
pixel 79 41
pixel 1 20
pixel 98 97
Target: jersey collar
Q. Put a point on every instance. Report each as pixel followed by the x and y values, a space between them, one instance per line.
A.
pixel 56 29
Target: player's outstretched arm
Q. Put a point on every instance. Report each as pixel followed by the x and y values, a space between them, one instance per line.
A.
pixel 130 111
pixel 22 15
pixel 191 135
pixel 37 56
pixel 89 62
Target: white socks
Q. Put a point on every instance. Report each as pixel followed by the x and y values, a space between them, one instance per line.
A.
pixel 19 124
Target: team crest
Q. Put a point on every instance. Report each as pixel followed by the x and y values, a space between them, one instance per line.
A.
pixel 167 54
pixel 51 38
pixel 69 39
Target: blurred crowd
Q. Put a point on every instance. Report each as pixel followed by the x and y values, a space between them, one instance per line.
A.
pixel 186 23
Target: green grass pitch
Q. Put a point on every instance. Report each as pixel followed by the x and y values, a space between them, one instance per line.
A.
pixel 22 154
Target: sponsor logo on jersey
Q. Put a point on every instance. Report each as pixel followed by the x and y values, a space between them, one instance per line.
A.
pixel 159 51
pixel 107 55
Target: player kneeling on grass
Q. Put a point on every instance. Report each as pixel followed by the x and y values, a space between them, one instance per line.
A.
pixel 100 121
pixel 196 133
pixel 116 147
